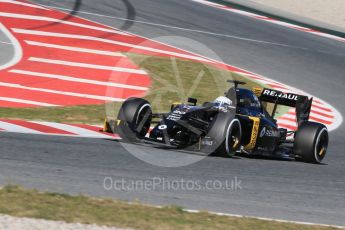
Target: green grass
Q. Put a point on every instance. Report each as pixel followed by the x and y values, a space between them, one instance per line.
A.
pixel 173 80
pixel 19 202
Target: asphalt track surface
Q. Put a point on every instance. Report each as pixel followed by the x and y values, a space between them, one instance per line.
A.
pixel 273 189
pixel 6 49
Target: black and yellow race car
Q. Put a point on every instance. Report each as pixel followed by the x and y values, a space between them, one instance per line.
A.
pixel 235 123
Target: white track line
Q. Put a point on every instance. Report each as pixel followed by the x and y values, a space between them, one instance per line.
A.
pixel 286 24
pixel 76 49
pixel 6 43
pixel 74 129
pixel 85 65
pixel 243 12
pixel 23 4
pixel 18 52
pixel 328 36
pixel 209 3
pixel 102 98
pixel 74 79
pixel 90 38
pixel 16 128
pixel 16 100
pixel 263 218
pixel 47 19
pixel 253 217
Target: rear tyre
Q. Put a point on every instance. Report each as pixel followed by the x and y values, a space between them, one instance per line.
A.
pixel 232 141
pixel 311 142
pixel 135 117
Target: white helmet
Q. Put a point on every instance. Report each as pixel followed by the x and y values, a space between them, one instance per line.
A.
pixel 222 102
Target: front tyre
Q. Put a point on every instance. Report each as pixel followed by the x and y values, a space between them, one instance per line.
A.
pixel 232 140
pixel 311 142
pixel 134 118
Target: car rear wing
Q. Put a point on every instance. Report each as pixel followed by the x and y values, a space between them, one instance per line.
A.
pixel 301 103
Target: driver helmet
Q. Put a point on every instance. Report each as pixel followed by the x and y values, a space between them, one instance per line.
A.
pixel 222 102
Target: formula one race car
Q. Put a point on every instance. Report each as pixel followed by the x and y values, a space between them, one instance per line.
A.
pixel 224 127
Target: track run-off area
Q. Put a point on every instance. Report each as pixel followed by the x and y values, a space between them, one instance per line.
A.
pixel 77 62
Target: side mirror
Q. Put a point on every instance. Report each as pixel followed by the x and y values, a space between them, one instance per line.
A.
pixel 192 101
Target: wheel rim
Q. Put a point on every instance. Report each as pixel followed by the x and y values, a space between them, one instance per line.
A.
pixel 235 141
pixel 233 137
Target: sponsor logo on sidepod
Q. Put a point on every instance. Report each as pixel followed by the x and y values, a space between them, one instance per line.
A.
pixel 269 133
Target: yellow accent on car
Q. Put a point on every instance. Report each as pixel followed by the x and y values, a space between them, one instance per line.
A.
pixel 109 125
pixel 254 136
pixel 173 105
pixel 106 126
pixel 257 91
